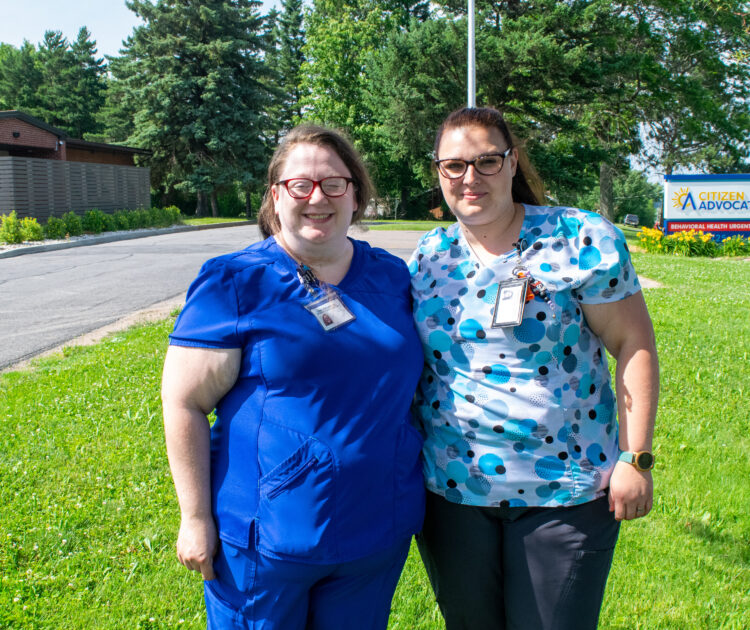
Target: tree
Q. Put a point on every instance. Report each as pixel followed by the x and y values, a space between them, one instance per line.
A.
pixel 285 58
pixel 699 118
pixel 20 78
pixel 60 83
pixel 196 82
pixel 88 85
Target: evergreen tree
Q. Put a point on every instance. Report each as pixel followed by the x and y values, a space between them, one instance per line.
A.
pixel 195 78
pixel 286 58
pixel 60 83
pixel 88 85
pixel 20 78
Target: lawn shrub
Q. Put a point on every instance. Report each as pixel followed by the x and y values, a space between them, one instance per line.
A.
pixel 55 229
pixel 139 219
pixel 73 224
pixel 160 217
pixel 110 224
pixel 174 214
pixel 121 219
pixel 10 228
pixel 31 230
pixel 93 221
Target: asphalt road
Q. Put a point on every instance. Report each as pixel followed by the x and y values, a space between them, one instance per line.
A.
pixel 49 298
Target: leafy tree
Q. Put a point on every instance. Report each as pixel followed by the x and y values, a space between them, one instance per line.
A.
pixel 413 82
pixel 632 194
pixel 195 79
pixel 699 117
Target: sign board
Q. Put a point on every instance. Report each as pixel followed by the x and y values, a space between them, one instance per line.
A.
pixel 719 204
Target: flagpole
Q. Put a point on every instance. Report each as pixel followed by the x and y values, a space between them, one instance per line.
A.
pixel 471 92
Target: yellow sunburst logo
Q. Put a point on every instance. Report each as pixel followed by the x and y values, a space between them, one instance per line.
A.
pixel 682 198
pixel 679 197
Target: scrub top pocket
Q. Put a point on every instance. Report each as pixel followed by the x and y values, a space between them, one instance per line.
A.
pixel 296 508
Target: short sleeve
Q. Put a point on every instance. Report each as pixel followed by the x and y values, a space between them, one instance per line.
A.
pixel 210 316
pixel 606 272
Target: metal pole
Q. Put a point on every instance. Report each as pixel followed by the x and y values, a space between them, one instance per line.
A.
pixel 471 91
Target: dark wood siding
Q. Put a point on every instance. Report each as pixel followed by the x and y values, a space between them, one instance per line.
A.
pixel 44 188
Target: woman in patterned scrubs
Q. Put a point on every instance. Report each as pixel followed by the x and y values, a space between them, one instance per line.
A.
pixel 528 471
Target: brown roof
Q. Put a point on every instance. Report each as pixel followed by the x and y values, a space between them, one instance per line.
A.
pixel 72 142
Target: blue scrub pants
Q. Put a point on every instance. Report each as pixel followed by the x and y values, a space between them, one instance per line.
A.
pixel 517 568
pixel 253 592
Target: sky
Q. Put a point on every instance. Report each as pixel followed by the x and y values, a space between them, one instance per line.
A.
pixel 109 21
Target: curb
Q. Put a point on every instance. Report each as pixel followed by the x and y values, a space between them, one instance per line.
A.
pixel 119 236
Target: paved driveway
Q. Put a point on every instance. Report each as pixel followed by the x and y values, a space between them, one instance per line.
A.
pixel 49 298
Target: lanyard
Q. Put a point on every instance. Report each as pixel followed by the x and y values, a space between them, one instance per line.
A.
pixel 535 287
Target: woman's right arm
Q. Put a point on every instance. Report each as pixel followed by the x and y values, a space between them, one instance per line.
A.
pixel 194 380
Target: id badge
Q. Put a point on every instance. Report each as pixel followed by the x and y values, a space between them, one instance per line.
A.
pixel 510 302
pixel 330 312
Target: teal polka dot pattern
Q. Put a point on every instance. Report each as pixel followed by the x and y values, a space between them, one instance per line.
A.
pixel 523 415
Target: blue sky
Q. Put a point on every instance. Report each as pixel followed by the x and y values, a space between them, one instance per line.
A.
pixel 109 21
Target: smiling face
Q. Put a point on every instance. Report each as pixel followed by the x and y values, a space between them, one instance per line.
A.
pixel 477 199
pixel 318 221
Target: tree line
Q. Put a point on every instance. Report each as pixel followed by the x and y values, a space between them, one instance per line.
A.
pixel 591 85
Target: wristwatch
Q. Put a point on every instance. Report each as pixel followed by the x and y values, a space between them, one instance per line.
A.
pixel 642 460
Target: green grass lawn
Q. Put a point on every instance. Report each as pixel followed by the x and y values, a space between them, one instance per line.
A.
pixel 89 517
pixel 419 226
pixel 211 220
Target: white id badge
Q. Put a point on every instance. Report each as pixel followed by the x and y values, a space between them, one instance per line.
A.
pixel 510 302
pixel 330 312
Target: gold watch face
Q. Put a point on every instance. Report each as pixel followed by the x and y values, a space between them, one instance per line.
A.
pixel 644 460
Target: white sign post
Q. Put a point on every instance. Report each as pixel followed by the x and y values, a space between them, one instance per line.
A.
pixel 719 204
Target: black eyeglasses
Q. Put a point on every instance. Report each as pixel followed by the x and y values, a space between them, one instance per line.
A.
pixel 302 188
pixel 489 164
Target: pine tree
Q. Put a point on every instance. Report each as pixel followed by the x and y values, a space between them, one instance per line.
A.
pixel 286 58
pixel 195 78
pixel 20 78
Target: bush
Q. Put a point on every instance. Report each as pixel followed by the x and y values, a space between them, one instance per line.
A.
pixel 73 225
pixel 173 213
pixel 138 219
pixel 93 221
pixel 55 228
pixel 110 225
pixel 10 228
pixel 31 229
pixel 121 220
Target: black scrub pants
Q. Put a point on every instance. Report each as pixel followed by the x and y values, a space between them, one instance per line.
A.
pixel 518 568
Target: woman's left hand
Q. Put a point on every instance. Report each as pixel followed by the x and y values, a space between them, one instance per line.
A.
pixel 625 329
pixel 631 492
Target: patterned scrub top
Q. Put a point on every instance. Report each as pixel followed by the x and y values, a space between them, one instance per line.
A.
pixel 524 415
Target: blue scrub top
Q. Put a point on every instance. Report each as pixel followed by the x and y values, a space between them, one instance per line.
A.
pixel 313 452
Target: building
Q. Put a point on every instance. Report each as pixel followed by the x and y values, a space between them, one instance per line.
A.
pixel 44 172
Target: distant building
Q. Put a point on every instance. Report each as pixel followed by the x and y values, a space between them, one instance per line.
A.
pixel 44 172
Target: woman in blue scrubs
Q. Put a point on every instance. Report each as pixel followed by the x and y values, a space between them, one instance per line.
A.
pixel 298 504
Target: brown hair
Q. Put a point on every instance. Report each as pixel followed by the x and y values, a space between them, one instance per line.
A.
pixel 527 186
pixel 333 139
